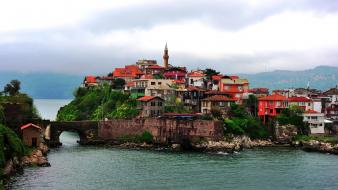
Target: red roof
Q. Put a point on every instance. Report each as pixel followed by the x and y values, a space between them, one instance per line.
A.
pixel 273 97
pixel 90 79
pixel 196 74
pixel 220 98
pixel 311 111
pixel 299 99
pixel 128 71
pixel 147 98
pixel 29 125
pixel 216 77
pixel 155 67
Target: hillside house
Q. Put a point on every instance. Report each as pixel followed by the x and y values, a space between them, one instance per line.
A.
pixel 217 102
pixel 151 106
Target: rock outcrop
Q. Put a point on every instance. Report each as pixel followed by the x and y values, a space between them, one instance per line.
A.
pixel 37 157
pixel 285 133
pixel 318 146
pixel 232 144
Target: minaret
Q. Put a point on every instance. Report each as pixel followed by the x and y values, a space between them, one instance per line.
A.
pixel 166 57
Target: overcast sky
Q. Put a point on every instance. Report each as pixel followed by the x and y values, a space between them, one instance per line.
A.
pixel 238 36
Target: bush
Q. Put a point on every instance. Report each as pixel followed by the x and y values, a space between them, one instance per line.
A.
pixel 146 137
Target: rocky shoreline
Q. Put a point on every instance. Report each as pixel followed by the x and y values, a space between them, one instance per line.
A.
pixel 36 158
pixel 317 146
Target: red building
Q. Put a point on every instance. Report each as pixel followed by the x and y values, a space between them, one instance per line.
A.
pixel 89 81
pixel 235 86
pixel 128 73
pixel 271 106
pixel 175 73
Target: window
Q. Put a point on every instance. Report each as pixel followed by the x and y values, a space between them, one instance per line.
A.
pixel 221 104
pixel 159 83
pixel 152 83
pixel 191 81
pixel 309 104
pixel 159 103
pixel 278 103
pixel 271 110
pixel 153 103
pixel 271 102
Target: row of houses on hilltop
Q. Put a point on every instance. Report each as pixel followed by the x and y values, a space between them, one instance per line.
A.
pixel 202 91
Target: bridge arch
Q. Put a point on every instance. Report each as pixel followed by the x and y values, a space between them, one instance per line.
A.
pixel 87 131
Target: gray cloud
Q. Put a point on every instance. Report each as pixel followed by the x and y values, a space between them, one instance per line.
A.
pixel 36 50
pixel 225 14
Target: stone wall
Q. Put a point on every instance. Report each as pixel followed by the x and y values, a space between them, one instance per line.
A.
pixel 164 130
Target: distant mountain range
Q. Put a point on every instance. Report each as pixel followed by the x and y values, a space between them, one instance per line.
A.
pixel 321 77
pixel 61 86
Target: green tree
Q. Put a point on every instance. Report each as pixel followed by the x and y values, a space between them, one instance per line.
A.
pixel 210 72
pixel 12 88
pixel 119 83
pixel 252 104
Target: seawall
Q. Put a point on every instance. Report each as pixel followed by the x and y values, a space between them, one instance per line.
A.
pixel 164 130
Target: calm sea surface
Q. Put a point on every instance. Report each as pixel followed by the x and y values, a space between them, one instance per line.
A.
pixel 79 167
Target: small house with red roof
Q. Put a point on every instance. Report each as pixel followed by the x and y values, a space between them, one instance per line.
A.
pixel 215 82
pixel 217 102
pixel 196 78
pixel 315 120
pixel 271 106
pixel 31 134
pixel 175 73
pixel 304 103
pixel 151 106
pixel 90 81
pixel 259 92
pixel 128 73
pixel 154 70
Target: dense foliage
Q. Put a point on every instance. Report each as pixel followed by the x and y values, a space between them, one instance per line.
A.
pixel 24 110
pixel 293 116
pixel 98 103
pixel 10 146
pixel 241 122
pixel 146 137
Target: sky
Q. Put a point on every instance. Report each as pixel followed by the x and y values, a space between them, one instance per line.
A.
pixel 238 36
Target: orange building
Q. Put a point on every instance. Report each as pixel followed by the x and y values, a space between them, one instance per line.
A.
pixel 234 86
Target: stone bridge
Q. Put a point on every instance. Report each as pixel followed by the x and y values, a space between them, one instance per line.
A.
pixel 87 131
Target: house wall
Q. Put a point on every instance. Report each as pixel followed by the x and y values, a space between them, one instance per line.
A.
pixel 149 111
pixel 315 121
pixel 28 134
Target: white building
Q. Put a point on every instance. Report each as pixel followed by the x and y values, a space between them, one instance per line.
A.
pixel 315 120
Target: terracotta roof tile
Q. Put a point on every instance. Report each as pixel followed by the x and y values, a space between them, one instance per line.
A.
pixel 274 97
pixel 29 125
pixel 147 98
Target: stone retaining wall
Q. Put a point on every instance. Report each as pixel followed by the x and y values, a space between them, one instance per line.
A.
pixel 164 130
